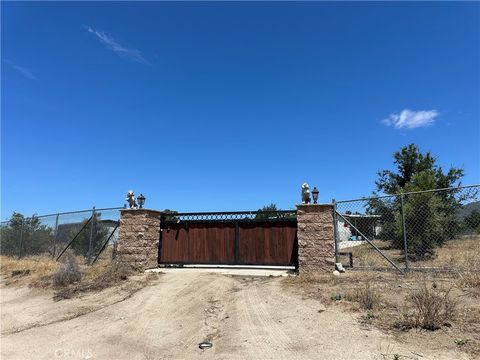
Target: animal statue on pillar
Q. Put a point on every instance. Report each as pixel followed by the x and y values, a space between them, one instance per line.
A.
pixel 132 202
pixel 305 194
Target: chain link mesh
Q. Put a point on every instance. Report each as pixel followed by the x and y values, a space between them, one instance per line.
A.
pixel 85 233
pixel 438 229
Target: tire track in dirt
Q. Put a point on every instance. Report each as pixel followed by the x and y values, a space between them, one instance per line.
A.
pixel 245 318
pixel 155 310
pixel 262 327
pixel 198 302
pixel 286 343
pixel 284 311
pixel 188 322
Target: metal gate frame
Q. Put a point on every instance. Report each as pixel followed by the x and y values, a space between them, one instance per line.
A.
pixel 235 217
pixel 338 253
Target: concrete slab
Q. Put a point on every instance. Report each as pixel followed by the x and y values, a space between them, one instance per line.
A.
pixel 239 271
pixel 271 267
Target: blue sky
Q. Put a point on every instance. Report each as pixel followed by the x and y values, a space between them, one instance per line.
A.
pixel 229 106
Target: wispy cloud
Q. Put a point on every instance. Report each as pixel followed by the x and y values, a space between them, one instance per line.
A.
pixel 22 70
pixel 409 119
pixel 120 50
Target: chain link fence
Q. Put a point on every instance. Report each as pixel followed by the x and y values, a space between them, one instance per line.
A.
pixel 89 234
pixel 434 229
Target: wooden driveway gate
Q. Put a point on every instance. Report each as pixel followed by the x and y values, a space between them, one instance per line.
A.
pixel 234 238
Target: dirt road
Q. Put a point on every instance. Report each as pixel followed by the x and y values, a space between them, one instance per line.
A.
pixel 244 318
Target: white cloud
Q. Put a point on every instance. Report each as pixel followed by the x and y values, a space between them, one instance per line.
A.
pixel 409 119
pixel 112 44
pixel 23 70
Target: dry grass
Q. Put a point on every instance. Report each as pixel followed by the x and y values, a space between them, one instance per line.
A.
pixel 469 280
pixel 107 271
pixel 329 288
pixel 68 273
pixel 403 304
pixel 32 270
pixel 366 295
pixel 365 255
pixel 68 279
pixel 461 253
pixel 98 277
pixel 431 308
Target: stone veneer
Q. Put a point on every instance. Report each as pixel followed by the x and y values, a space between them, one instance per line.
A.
pixel 139 237
pixel 316 244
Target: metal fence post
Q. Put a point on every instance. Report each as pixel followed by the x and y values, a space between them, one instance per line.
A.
pixel 405 242
pixel 335 230
pixel 55 237
pixel 92 225
pixel 236 250
pixel 21 239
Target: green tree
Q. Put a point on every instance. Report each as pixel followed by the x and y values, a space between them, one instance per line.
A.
pixel 430 217
pixel 471 223
pixel 26 236
pixel 11 235
pixel 267 212
pixel 410 162
pixel 169 215
pixel 81 244
pixel 38 237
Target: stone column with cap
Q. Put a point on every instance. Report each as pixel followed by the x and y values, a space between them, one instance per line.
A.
pixel 316 243
pixel 139 237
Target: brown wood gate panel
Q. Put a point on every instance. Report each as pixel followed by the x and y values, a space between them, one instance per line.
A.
pixel 267 243
pixel 243 237
pixel 198 243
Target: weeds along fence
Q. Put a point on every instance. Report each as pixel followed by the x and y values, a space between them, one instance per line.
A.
pixel 435 229
pixel 87 233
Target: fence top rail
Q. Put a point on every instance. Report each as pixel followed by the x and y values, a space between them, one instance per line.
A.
pixel 409 193
pixel 68 213
pixel 254 212
pixel 231 216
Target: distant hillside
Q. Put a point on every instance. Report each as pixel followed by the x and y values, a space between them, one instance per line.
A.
pixel 468 209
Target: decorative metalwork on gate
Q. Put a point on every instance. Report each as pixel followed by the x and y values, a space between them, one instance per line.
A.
pixel 231 216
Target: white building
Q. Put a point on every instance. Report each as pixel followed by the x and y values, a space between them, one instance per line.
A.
pixel 349 236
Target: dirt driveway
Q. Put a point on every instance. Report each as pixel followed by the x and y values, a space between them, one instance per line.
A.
pixel 244 318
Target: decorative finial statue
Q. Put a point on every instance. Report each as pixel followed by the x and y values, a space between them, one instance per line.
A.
pixel 305 194
pixel 131 199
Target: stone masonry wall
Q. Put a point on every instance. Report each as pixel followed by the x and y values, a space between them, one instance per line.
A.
pixel 316 244
pixel 139 237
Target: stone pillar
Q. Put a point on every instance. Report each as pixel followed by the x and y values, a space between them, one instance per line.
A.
pixel 316 242
pixel 139 237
